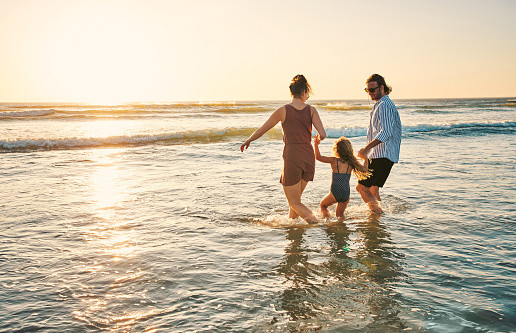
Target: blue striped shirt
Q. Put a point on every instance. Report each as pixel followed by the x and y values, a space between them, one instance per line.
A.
pixel 385 125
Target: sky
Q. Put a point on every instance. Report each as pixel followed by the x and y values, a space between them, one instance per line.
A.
pixel 114 51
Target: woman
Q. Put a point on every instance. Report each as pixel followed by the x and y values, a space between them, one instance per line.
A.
pixel 296 119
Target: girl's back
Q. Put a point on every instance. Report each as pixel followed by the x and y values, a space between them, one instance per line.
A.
pixel 339 166
pixel 340 181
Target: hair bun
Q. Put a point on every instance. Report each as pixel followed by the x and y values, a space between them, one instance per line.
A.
pixel 299 78
pixel 299 85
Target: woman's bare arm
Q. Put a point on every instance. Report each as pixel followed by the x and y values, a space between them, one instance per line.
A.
pixel 316 120
pixel 275 118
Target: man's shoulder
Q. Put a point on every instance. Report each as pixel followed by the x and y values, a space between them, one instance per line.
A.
pixel 385 100
pixel 386 103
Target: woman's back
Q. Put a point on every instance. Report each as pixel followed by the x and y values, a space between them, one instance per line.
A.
pixel 298 153
pixel 297 127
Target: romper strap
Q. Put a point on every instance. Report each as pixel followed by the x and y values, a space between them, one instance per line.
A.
pixel 338 165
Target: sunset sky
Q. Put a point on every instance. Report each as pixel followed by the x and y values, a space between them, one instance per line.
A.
pixel 229 50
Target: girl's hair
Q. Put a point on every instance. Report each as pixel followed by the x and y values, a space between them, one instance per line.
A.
pixel 299 85
pixel 381 82
pixel 343 150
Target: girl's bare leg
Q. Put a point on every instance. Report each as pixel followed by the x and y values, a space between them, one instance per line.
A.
pixel 328 200
pixel 341 207
pixel 293 194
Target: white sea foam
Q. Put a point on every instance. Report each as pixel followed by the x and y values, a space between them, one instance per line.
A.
pixel 421 128
pixel 440 127
pixel 349 132
pixel 217 135
pixel 87 142
pixel 208 135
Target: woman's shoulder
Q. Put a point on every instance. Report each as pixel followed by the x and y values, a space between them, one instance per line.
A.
pixel 281 108
pixel 280 113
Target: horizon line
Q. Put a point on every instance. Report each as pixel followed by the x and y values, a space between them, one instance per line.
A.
pixel 207 101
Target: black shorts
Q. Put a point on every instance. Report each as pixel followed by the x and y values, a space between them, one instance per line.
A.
pixel 381 167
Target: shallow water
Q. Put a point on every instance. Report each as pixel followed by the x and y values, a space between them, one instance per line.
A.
pixel 168 237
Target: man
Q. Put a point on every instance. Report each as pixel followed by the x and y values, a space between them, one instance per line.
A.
pixel 384 140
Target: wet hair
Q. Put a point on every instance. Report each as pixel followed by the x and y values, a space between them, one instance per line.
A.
pixel 343 150
pixel 381 82
pixel 299 85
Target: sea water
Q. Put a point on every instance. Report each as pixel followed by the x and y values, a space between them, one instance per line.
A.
pixel 148 218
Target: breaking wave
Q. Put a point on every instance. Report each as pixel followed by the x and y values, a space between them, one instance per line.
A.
pixel 135 111
pixel 231 134
pixel 351 132
pixel 338 106
pixel 187 137
pixel 26 113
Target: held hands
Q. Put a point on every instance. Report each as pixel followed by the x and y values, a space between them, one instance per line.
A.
pixel 362 153
pixel 317 139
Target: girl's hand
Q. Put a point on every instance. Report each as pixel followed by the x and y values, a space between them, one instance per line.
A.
pixel 317 139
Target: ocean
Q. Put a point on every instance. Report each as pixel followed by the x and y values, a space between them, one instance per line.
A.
pixel 146 217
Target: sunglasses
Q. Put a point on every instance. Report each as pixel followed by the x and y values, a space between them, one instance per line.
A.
pixel 372 90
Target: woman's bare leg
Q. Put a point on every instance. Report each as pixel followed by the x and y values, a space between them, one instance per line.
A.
pixel 291 212
pixel 293 194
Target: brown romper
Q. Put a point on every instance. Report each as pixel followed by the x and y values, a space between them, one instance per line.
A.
pixel 298 153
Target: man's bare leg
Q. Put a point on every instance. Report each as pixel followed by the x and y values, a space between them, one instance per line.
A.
pixel 369 197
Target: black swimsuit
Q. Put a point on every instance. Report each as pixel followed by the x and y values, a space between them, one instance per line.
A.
pixel 340 185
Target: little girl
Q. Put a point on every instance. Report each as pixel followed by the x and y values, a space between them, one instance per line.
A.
pixel 342 164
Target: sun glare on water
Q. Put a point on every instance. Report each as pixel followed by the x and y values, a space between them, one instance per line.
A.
pixel 109 190
pixel 106 128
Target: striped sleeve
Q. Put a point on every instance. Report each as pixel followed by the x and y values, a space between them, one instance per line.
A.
pixel 385 125
pixel 387 117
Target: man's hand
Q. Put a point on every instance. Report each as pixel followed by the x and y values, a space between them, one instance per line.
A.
pixel 362 153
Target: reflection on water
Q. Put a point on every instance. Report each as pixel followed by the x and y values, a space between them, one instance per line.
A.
pixel 295 268
pixel 105 186
pixel 109 188
pixel 349 283
pixel 112 296
pixel 105 128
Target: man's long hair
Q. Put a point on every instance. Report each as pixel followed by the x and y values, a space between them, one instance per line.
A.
pixel 381 82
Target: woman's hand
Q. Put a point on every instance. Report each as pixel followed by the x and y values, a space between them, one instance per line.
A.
pixel 245 145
